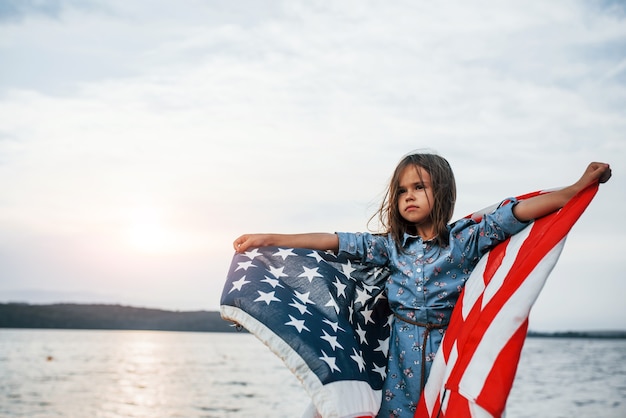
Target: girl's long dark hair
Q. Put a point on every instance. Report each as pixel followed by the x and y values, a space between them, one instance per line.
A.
pixel 444 193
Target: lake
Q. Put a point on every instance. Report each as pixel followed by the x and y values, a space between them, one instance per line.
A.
pixel 121 374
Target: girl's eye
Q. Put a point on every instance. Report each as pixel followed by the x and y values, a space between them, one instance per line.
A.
pixel 401 191
pixel 419 186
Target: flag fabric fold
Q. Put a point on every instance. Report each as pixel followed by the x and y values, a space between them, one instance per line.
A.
pixel 327 318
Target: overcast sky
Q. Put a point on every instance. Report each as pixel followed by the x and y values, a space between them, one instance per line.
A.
pixel 138 138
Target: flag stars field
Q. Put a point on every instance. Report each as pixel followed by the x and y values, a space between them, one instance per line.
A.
pixel 288 275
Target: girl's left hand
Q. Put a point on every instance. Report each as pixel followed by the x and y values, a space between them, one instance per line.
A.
pixel 597 171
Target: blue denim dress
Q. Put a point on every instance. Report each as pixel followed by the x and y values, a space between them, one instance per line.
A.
pixel 423 287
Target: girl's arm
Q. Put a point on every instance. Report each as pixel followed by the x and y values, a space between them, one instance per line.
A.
pixel 315 241
pixel 538 206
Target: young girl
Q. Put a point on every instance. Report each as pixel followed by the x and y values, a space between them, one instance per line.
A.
pixel 429 260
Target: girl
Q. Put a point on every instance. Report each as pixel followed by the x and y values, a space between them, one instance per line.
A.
pixel 429 260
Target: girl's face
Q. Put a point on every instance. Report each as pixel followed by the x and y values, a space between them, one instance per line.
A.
pixel 415 195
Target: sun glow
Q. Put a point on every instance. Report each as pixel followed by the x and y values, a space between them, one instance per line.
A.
pixel 147 232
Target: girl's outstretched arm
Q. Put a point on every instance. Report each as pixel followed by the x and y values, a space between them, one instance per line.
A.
pixel 315 241
pixel 538 206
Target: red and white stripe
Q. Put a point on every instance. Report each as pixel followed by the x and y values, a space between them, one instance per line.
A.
pixel 474 369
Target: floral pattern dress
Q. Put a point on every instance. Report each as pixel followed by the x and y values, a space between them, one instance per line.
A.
pixel 422 289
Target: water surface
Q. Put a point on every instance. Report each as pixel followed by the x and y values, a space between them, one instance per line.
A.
pixel 122 374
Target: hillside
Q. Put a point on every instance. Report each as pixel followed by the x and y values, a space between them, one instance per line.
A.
pixel 79 316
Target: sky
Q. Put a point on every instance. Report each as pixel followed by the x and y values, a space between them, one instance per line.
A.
pixel 139 138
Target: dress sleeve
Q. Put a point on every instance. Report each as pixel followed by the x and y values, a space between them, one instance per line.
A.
pixel 479 236
pixel 367 248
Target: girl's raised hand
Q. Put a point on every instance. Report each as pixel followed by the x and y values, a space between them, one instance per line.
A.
pixel 595 171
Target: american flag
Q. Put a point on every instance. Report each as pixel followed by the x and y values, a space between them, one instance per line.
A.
pixel 327 318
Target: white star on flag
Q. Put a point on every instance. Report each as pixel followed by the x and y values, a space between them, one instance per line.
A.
pixel 334 325
pixel 272 282
pixel 332 340
pixel 304 297
pixel 358 359
pixel 379 297
pixel 332 303
pixel 340 287
pixel 331 361
pixel 370 288
pixel 244 265
pixel 252 254
pixel 266 297
pixel 316 256
pixel 302 308
pixel 239 283
pixel 383 345
pixel 381 370
pixel 297 324
pixel 367 314
pixel 278 272
pixel 347 269
pixel 284 253
pixel 310 273
pixel 361 296
pixel 361 333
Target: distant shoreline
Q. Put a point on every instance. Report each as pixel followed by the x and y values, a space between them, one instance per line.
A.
pixel 119 317
pixel 109 317
pixel 579 334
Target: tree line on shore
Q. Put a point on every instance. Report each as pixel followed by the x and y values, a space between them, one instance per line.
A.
pixel 101 316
